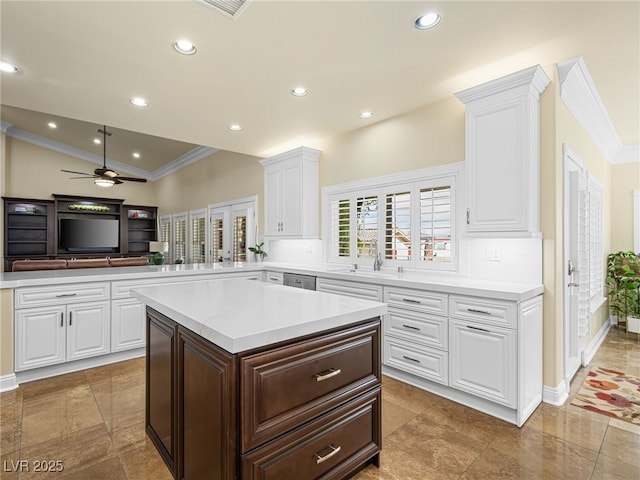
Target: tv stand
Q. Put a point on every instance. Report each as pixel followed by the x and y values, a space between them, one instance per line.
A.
pixel 31 227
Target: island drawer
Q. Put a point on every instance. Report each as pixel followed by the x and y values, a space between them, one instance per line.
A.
pixel 287 386
pixel 418 300
pixel 423 328
pixel 329 447
pixel 496 312
pixel 61 294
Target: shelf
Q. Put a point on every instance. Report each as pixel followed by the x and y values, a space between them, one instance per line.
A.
pixel 26 228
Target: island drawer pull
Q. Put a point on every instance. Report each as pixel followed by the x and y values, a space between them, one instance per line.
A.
pixel 66 295
pixel 410 327
pixel 332 372
pixel 478 328
pixel 411 300
pixel 334 451
pixel 475 310
pixel 410 359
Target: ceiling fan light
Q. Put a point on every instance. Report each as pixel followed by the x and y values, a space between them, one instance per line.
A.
pixel 104 182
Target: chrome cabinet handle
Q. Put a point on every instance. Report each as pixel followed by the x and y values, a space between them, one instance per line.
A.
pixel 411 300
pixel 332 372
pixel 410 359
pixel 473 310
pixel 478 328
pixel 410 327
pixel 66 295
pixel 334 451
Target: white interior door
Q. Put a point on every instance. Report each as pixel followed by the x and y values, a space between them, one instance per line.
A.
pixel 576 271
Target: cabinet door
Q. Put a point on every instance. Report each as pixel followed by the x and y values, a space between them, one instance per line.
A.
pixel 88 330
pixel 127 324
pixel 273 195
pixel 160 386
pixel 483 361
pixel 207 398
pixel 40 337
pixel 291 205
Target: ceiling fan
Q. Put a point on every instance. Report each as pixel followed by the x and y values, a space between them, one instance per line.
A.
pixel 105 177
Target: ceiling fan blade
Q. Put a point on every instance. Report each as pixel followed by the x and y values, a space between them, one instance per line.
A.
pixel 79 173
pixel 132 179
pixel 84 178
pixel 117 181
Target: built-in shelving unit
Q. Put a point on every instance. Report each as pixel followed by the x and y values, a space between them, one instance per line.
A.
pixel 31 227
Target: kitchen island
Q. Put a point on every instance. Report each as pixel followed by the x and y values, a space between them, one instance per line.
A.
pixel 259 381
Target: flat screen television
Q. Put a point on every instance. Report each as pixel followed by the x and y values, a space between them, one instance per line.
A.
pixel 88 234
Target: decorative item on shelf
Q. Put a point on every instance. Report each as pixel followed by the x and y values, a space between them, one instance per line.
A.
pixel 623 280
pixel 157 249
pixel 258 252
pixel 88 208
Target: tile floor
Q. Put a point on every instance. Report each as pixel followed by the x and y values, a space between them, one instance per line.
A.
pixel 93 421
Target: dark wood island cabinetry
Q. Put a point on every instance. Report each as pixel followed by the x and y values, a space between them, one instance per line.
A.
pixel 301 409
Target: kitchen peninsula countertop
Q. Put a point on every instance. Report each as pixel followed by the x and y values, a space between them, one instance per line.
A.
pixel 239 315
pixel 437 282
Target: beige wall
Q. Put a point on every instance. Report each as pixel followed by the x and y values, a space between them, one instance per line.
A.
pixel 219 177
pixel 6 332
pixel 625 178
pixel 34 172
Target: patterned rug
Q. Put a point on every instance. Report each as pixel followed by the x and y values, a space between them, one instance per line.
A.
pixel 610 393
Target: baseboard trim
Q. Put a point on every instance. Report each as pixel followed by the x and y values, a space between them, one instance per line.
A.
pixel 556 396
pixel 8 382
pixel 590 350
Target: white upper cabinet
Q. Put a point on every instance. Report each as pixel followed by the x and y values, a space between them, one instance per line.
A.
pixel 503 153
pixel 291 194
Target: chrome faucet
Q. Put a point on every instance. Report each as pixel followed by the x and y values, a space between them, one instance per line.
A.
pixel 377 260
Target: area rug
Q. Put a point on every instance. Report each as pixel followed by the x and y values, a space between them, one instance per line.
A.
pixel 610 393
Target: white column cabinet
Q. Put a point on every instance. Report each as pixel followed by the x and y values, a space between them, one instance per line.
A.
pixel 291 194
pixel 503 153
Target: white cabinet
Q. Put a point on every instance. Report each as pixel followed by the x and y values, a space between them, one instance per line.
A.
pixel 367 291
pixel 291 194
pixel 127 324
pixel 57 334
pixel 274 277
pixel 483 360
pixel 503 153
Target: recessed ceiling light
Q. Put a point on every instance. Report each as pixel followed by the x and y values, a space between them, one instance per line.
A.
pixel 366 115
pixel 135 155
pixel 97 141
pixel 52 125
pixel 8 67
pixel 185 47
pixel 299 92
pixel 235 127
pixel 139 101
pixel 427 21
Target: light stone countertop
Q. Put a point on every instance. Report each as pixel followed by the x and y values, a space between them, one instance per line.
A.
pixel 432 281
pixel 239 315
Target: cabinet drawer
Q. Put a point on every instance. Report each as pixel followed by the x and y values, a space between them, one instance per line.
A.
pixel 329 447
pixel 423 328
pixel 351 289
pixel 496 312
pixel 60 294
pixel 424 362
pixel 418 300
pixel 287 386
pixel 274 277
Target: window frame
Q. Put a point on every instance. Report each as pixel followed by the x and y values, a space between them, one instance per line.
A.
pixel 440 176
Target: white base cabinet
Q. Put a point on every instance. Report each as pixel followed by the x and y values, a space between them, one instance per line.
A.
pixel 51 335
pixel 127 324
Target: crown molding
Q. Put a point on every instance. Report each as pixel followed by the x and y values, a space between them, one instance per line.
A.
pixel 580 95
pixel 188 158
pixel 4 126
pixel 304 153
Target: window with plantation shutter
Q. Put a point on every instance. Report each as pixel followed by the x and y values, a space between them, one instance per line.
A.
pixel 179 237
pixel 435 224
pixel 217 238
pixel 165 234
pixel 341 227
pixel 239 238
pixel 408 218
pixel 366 226
pixel 596 247
pixel 197 235
pixel 397 226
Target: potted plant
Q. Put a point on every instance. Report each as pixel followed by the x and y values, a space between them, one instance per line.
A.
pixel 623 280
pixel 258 252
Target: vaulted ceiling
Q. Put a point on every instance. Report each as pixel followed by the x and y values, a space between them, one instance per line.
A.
pixel 83 61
